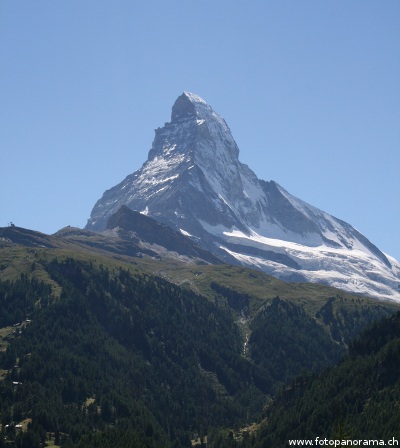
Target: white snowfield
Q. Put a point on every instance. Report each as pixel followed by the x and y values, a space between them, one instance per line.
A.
pixel 194 181
pixel 353 270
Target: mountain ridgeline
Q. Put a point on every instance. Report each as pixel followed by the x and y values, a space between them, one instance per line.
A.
pixel 194 182
pixel 141 229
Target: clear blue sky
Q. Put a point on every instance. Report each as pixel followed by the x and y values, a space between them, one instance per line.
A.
pixel 310 90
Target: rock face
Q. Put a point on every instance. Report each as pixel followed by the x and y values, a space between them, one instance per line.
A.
pixel 144 231
pixel 194 182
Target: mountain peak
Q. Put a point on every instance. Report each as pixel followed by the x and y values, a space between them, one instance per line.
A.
pixel 188 105
pixel 183 108
pixel 196 132
pixel 194 182
pixel 193 97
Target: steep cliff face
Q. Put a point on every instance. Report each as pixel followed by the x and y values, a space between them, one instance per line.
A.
pixel 194 182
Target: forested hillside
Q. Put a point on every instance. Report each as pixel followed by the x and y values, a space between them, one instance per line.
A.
pixel 99 349
pixel 124 353
pixel 356 400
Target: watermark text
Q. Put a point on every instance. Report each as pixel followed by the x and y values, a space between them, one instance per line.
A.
pixel 318 441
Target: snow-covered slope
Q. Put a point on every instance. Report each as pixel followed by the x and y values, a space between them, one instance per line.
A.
pixel 194 181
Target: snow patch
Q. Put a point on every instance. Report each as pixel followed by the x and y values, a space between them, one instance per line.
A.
pixel 185 233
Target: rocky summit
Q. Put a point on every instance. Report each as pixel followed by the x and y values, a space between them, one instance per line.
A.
pixel 194 182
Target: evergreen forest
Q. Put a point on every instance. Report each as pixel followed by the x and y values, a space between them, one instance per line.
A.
pixel 97 353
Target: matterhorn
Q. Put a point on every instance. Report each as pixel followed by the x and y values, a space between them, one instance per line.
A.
pixel 194 182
